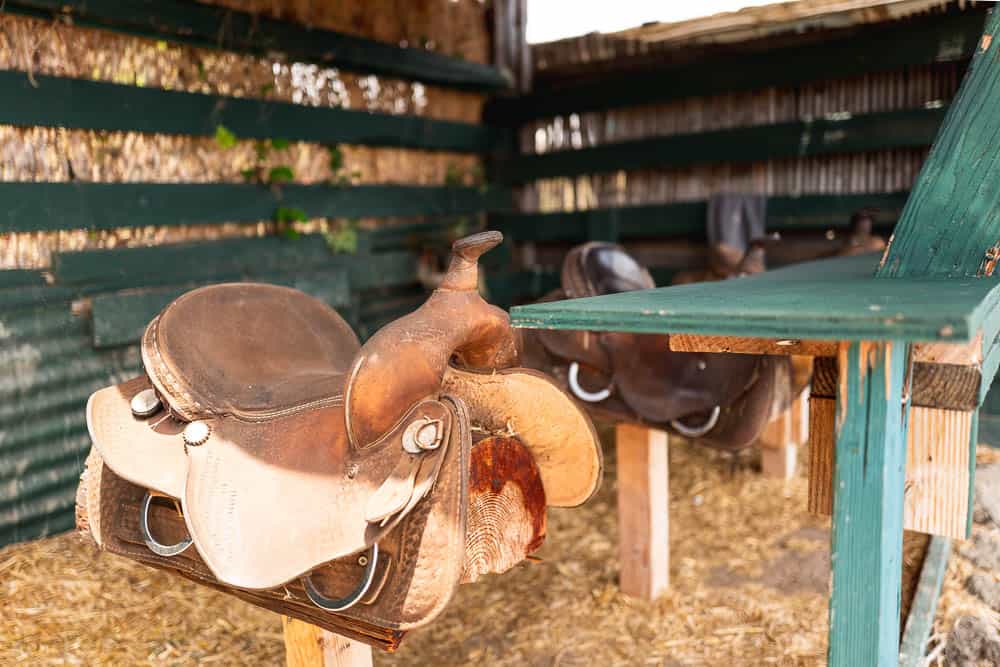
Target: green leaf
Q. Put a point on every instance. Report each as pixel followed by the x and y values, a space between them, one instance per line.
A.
pixel 343 240
pixel 453 175
pixel 280 174
pixel 289 214
pixel 249 174
pixel 336 159
pixel 224 138
pixel 290 233
pixel 279 144
pixel 266 88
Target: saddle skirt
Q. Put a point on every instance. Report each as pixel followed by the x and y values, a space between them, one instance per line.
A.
pixel 722 400
pixel 295 452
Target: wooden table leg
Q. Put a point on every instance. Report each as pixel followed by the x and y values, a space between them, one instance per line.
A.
pixel 869 472
pixel 309 646
pixel 643 510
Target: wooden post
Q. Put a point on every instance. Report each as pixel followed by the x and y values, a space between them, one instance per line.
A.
pixel 309 646
pixel 867 540
pixel 643 510
pixel 779 443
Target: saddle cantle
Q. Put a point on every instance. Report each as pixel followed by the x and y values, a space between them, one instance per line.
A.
pixel 723 400
pixel 304 462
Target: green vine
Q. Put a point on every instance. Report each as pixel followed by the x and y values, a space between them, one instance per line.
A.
pixel 343 239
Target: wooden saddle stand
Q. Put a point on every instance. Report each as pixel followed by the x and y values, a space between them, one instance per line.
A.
pixel 267 454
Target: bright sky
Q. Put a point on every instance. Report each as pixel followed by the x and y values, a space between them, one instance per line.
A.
pixel 556 19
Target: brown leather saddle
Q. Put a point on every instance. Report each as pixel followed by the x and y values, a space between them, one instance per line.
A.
pixel 722 400
pixel 303 462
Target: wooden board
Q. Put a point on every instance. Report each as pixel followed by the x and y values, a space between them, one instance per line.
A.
pixel 79 205
pixel 920 620
pixel 852 134
pixel 741 345
pixel 926 40
pixel 949 225
pixel 94 105
pixel 687 219
pixel 831 299
pixel 216 27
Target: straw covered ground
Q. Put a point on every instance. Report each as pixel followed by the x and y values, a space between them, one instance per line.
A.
pixel 749 570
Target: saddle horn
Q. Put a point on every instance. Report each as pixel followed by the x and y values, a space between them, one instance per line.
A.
pixel 405 360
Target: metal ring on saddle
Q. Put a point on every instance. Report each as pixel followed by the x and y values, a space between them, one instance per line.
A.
pixel 697 431
pixel 580 392
pixel 352 598
pixel 156 547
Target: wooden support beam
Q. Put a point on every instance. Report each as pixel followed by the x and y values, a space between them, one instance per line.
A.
pixel 742 345
pixel 310 646
pixel 780 440
pixel 643 510
pixel 867 540
pixel 936 490
pixel 924 607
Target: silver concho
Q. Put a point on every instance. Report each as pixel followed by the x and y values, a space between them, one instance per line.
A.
pixel 145 404
pixel 196 433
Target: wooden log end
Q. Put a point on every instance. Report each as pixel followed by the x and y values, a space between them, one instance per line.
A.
pixel 506 514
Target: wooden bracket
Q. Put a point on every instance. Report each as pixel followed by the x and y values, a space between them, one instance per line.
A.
pixel 309 646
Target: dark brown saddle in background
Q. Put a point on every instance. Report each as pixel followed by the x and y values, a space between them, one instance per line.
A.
pixel 267 453
pixel 722 400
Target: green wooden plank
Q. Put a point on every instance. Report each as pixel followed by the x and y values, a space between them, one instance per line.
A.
pixel 822 136
pixel 20 278
pixel 687 219
pixel 920 622
pixel 120 318
pixel 57 516
pixel 861 51
pixel 52 206
pixel 867 539
pixel 830 299
pixel 951 224
pixel 220 28
pixel 95 105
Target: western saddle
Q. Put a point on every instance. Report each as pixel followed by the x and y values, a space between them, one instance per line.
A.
pixel 305 467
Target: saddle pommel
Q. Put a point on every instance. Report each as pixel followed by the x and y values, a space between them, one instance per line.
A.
pixel 463 270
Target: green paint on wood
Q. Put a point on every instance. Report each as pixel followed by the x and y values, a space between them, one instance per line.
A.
pixel 94 105
pixel 867 539
pixel 920 622
pixel 951 223
pixel 20 278
pixel 831 299
pixel 215 27
pixel 861 51
pixel 851 134
pixel 51 206
pixel 687 219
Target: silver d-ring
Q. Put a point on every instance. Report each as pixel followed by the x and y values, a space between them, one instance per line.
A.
pixel 697 431
pixel 580 392
pixel 352 598
pixel 147 537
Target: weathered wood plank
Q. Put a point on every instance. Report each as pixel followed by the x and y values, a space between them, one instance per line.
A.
pixel 643 510
pixel 51 206
pixel 687 219
pixel 217 27
pixel 851 134
pixel 867 541
pixel 95 105
pixel 854 53
pixel 949 226
pixel 832 299
pixel 924 607
pixel 822 420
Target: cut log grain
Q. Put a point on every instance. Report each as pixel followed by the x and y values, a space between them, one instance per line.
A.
pixel 506 521
pixel 506 507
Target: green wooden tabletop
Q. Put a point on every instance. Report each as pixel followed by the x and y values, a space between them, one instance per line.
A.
pixel 829 299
